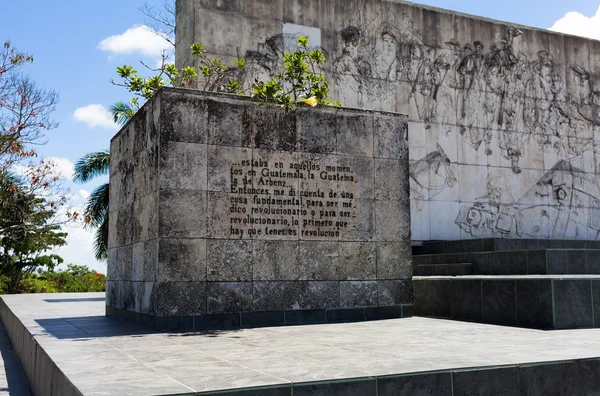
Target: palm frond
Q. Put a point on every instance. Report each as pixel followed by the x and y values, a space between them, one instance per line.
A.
pixel 122 112
pixel 96 207
pixel 101 240
pixel 92 165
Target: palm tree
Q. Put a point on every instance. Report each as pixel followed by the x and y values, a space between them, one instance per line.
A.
pixel 96 208
pixel 96 164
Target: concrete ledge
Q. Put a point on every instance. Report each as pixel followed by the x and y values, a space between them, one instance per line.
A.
pixel 43 375
pixel 534 301
pixel 261 319
pixel 78 351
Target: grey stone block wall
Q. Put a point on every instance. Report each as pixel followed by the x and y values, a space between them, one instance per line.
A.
pixel 220 206
pixel 503 118
pixel 540 302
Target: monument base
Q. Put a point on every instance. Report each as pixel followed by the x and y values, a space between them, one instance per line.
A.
pixel 261 319
pixel 68 347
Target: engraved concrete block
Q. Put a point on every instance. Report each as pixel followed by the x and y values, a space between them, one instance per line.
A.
pixel 218 221
pixel 253 210
pixel 362 169
pixel 363 228
pixel 225 168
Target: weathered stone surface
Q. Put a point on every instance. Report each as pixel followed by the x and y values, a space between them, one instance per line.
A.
pixel 355 136
pixel 357 261
pixel 394 292
pixel 144 261
pixel 120 263
pixel 181 298
pixel 276 260
pixel 265 129
pixel 145 218
pixel 394 260
pixel 182 214
pixel 486 382
pixel 224 123
pixel 251 209
pixel 183 119
pixel 438 384
pixel 573 304
pixel 229 297
pixel 355 294
pixel 229 260
pixel 390 138
pixel 310 139
pixel 299 295
pixel 498 303
pixel 145 297
pixel 183 166
pixel 498 110
pixel 391 222
pixel 120 226
pixel 181 260
pixel 534 303
pixel 321 260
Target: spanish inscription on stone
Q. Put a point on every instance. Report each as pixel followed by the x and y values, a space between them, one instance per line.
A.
pixel 291 199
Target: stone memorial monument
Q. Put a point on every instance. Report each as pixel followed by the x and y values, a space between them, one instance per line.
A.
pixel 225 213
pixel 504 120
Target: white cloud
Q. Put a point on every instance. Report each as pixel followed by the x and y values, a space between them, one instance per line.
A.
pixel 64 167
pixel 137 39
pixel 95 115
pixel 579 25
pixel 84 194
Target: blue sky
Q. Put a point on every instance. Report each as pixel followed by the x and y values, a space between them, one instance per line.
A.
pixel 65 39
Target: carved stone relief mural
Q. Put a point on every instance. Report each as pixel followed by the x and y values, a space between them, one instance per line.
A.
pixel 564 203
pixel 511 107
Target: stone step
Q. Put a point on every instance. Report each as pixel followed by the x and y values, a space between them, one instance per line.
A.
pixel 521 262
pixel 444 269
pixel 499 244
pixel 531 301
